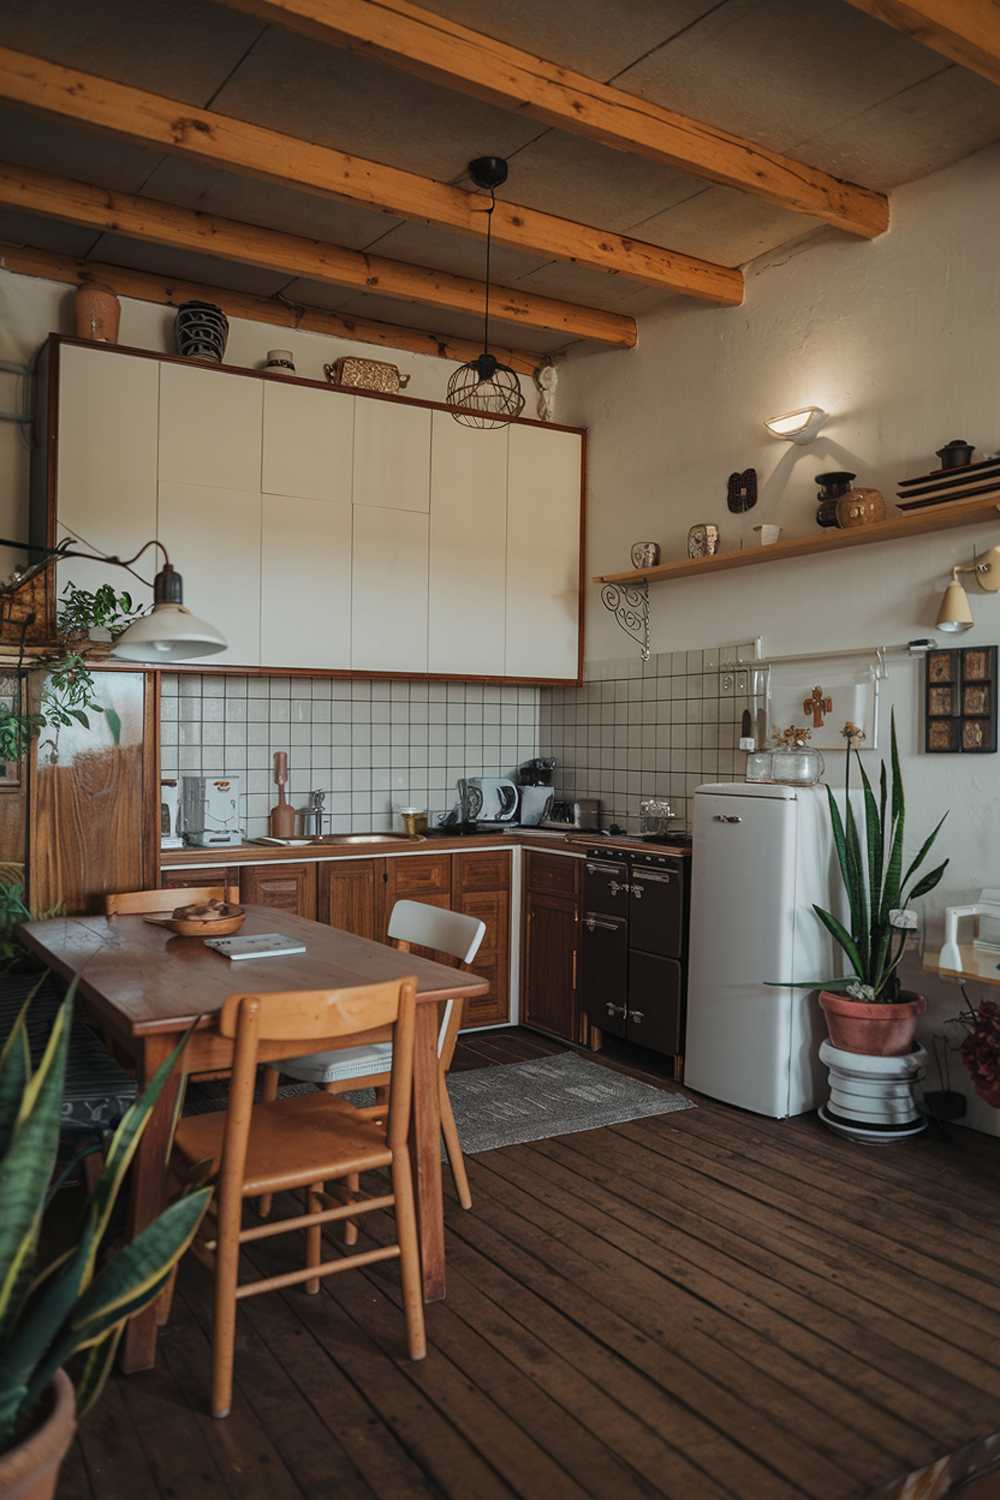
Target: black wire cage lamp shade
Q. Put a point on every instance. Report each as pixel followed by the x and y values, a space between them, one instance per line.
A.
pixel 483 392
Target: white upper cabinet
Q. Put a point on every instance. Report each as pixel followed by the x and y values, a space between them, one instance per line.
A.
pixel 468 548
pixel 106 463
pixel 308 446
pixel 543 552
pixel 213 537
pixel 392 450
pixel 389 595
pixel 210 427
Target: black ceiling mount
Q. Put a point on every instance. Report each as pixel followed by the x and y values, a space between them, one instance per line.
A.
pixel 488 172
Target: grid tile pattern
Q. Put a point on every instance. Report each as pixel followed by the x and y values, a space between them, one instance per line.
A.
pixel 654 729
pixel 373 747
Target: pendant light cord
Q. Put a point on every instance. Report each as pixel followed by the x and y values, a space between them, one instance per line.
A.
pixel 489 250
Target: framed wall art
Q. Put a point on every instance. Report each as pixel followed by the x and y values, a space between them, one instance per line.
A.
pixel 960 701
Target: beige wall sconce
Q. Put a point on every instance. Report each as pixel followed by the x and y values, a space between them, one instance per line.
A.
pixel 955 614
pixel 797 426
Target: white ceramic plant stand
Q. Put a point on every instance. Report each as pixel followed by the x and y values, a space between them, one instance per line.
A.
pixel 872 1098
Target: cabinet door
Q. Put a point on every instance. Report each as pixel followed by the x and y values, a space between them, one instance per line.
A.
pixel 284 887
pixel 389 590
pixel 468 539
pixel 106 463
pixel 308 442
pixel 213 537
pixel 655 1003
pixel 350 895
pixel 392 454
pixel 419 877
pixel 543 553
pixel 305 585
pixel 210 427
pixel 482 889
pixel 549 1000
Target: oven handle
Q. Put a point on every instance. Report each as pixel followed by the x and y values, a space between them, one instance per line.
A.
pixel 658 877
pixel 591 923
pixel 602 869
pixel 617 1010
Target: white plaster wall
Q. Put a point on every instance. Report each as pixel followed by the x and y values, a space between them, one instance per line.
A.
pixel 898 339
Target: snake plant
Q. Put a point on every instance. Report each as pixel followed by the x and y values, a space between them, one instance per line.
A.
pixel 76 1307
pixel 877 889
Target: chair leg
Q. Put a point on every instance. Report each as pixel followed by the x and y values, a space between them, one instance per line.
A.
pixel 409 1254
pixel 352 1185
pixel 269 1092
pixel 314 1237
pixel 453 1146
pixel 224 1324
pixel 166 1301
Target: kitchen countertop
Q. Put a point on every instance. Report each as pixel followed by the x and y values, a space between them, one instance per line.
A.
pixel 573 842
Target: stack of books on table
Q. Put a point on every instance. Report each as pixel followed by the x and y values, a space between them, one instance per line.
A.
pixel 943 485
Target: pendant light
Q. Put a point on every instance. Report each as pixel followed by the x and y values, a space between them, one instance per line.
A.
pixel 485 393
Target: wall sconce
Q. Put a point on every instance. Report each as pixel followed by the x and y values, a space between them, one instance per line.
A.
pixel 955 614
pixel 797 426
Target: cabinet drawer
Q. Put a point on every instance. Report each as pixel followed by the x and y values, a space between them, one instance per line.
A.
pixel 417 876
pixel 482 872
pixel 183 880
pixel 286 888
pixel 555 874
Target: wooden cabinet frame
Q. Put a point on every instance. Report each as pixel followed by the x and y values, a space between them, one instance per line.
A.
pixel 45 510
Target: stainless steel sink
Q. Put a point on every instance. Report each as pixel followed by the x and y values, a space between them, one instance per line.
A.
pixel 366 838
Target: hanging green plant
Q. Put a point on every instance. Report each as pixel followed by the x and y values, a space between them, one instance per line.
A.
pixel 86 623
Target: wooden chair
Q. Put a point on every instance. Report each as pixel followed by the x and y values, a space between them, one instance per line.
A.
pixel 411 922
pixel 149 903
pixel 303 1143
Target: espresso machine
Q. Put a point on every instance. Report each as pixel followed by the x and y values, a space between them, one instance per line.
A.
pixel 210 809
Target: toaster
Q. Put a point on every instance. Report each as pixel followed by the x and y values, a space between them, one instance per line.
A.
pixel 584 814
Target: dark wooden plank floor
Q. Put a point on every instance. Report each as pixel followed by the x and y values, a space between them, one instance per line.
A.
pixel 695 1305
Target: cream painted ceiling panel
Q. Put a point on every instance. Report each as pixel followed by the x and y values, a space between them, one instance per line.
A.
pixel 33 140
pixel 920 130
pixel 332 97
pixel 591 36
pixel 181 48
pixel 186 265
pixel 450 250
pixel 772 69
pixel 251 200
pixel 582 180
pixel 725 225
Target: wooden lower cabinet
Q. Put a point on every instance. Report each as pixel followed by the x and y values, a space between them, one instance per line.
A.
pixel 352 896
pixel 183 880
pixel 286 887
pixel 481 888
pixel 549 1000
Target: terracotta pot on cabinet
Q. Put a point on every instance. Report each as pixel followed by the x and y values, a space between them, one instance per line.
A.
pixel 30 1471
pixel 97 314
pixel 872 1030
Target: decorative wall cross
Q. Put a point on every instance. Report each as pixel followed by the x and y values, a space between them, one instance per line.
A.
pixel 817 705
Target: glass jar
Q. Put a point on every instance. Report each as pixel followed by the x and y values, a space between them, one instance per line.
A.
pixel 759 766
pixel 797 765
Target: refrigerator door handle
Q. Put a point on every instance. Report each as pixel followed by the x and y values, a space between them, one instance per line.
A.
pixel 726 818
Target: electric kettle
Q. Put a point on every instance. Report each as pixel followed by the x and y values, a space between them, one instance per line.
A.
pixel 488 799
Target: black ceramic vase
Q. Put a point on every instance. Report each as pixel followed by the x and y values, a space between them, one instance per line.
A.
pixel 201 330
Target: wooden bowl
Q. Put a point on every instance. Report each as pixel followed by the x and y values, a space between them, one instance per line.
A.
pixel 221 927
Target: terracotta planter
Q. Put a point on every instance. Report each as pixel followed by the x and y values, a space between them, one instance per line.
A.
pixel 97 314
pixel 874 1030
pixel 31 1470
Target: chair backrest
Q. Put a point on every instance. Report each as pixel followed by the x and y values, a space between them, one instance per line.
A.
pixel 130 903
pixel 311 1017
pixel 446 931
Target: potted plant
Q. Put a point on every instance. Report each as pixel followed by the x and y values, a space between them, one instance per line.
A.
pixel 867 1012
pixel 980 1049
pixel 70 1312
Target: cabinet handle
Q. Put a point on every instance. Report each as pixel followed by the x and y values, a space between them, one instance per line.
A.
pixel 636 1015
pixel 636 891
pixel 617 1010
pixel 614 886
pixel 573 979
pixel 658 877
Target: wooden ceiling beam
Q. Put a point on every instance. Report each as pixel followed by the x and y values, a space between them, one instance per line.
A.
pixel 205 136
pixel 434 47
pixel 165 224
pixel 27 261
pixel 965 31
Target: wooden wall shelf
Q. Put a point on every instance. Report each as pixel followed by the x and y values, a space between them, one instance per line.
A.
pixel 920 523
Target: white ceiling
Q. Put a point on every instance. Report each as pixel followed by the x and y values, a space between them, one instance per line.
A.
pixel 814 78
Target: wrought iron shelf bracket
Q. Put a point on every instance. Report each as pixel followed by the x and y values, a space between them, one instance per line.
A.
pixel 629 603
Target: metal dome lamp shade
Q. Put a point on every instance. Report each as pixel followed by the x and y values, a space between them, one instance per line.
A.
pixel 485 393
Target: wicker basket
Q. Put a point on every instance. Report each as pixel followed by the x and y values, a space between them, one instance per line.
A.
pixel 366 374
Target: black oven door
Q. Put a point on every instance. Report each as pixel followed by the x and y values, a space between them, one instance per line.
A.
pixel 656 1003
pixel 603 970
pixel 656 909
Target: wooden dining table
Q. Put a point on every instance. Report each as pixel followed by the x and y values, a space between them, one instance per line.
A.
pixel 145 986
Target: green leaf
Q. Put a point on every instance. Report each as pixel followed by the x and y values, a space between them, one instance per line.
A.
pixel 95 1370
pixel 859 900
pixel 875 840
pixel 15 1071
pixel 80 717
pixel 840 844
pixel 927 884
pixel 114 723
pixel 843 937
pixel 26 1169
pixel 925 849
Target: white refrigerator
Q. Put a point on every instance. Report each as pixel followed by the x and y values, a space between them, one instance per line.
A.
pixel 763 854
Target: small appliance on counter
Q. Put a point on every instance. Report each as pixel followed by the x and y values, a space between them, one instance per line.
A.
pixel 487 799
pixel 584 814
pixel 537 772
pixel 655 818
pixel 211 811
pixel 533 805
pixel 170 814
